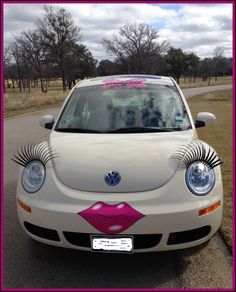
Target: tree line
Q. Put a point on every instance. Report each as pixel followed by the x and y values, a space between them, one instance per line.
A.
pixel 54 50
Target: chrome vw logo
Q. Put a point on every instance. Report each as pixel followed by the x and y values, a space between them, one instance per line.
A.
pixel 112 178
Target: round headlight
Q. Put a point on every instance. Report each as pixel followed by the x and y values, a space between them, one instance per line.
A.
pixel 33 176
pixel 200 178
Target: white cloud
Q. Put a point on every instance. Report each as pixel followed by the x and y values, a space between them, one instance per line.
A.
pixel 192 27
pixel 200 28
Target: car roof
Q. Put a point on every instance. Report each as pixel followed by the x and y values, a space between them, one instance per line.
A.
pixel 148 78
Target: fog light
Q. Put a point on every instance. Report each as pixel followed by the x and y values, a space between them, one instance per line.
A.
pixel 209 209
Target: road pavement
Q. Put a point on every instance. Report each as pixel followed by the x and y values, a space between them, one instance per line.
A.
pixel 189 92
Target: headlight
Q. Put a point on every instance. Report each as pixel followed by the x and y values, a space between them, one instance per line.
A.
pixel 200 178
pixel 33 176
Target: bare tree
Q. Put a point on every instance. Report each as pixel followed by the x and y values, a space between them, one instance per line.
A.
pixel 34 53
pixel 218 62
pixel 136 47
pixel 206 69
pixel 7 59
pixel 20 69
pixel 59 33
pixel 15 52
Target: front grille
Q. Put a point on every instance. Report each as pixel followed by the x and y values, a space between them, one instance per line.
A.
pixel 189 235
pixel 141 241
pixel 42 232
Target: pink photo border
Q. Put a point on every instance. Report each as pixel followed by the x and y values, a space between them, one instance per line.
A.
pixel 2 146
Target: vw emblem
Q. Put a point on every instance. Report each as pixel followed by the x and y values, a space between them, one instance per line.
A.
pixel 112 178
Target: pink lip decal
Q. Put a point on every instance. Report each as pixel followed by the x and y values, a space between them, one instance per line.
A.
pixel 111 219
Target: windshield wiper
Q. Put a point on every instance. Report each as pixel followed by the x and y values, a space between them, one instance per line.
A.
pixel 77 130
pixel 142 130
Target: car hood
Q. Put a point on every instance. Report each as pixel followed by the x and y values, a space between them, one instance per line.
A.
pixel 142 160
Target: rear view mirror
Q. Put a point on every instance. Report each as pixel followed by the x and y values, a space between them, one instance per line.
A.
pixel 46 121
pixel 204 118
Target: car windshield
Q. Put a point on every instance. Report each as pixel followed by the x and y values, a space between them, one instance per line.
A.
pixel 104 109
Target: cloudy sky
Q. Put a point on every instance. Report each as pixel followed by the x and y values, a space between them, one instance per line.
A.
pixel 192 27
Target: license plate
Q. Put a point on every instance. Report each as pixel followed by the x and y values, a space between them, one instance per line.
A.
pixel 112 244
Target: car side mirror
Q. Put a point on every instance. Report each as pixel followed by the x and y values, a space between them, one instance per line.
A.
pixel 46 121
pixel 203 119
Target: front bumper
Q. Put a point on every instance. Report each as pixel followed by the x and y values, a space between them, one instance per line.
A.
pixel 171 214
pixel 169 232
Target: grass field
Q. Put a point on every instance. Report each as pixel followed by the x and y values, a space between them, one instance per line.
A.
pixel 219 136
pixel 18 103
pixel 188 83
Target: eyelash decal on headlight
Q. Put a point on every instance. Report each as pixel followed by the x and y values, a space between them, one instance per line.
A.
pixel 195 151
pixel 41 151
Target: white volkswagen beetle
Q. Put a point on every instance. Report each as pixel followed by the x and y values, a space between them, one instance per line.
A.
pixel 123 171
